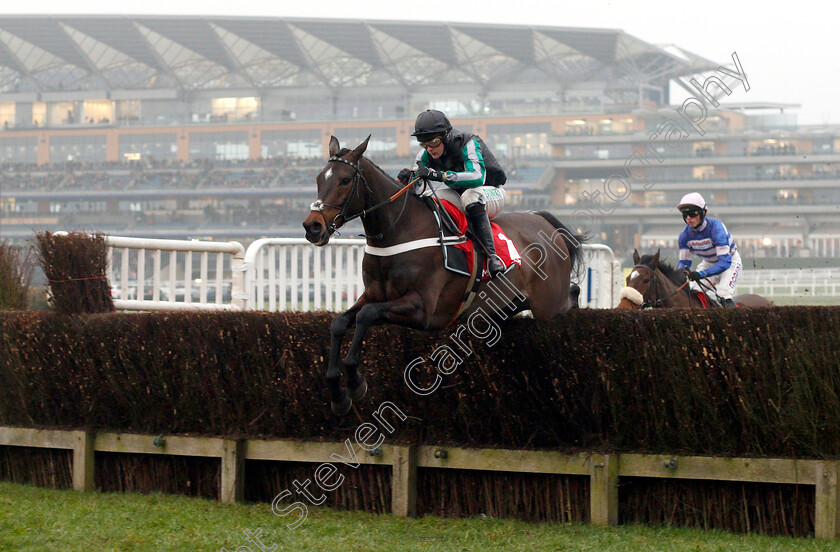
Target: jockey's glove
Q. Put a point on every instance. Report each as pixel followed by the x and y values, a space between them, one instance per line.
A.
pixel 404 176
pixel 695 276
pixel 430 174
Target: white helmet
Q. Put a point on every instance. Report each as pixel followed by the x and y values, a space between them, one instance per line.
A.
pixel 692 200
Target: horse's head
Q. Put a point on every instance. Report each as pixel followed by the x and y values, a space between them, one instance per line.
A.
pixel 640 283
pixel 340 192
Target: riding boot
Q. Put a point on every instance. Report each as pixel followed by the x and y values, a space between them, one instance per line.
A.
pixel 480 224
pixel 728 303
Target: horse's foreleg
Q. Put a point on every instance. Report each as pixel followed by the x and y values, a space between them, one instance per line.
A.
pixel 407 310
pixel 339 400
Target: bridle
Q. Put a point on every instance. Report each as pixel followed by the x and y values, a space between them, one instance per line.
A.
pixel 650 303
pixel 318 205
pixel 657 303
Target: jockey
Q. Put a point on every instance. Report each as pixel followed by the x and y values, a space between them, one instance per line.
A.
pixel 709 239
pixel 463 162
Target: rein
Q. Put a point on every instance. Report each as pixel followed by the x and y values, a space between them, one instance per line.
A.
pixel 319 205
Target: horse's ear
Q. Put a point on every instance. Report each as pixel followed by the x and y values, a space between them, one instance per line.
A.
pixel 334 146
pixel 636 257
pixel 655 260
pixel 356 154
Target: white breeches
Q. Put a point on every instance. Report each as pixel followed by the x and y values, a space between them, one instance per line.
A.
pixel 492 197
pixel 724 282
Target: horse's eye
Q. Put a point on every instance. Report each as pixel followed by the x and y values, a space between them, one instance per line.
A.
pixel 345 181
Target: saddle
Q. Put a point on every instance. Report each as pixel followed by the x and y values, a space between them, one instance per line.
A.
pixel 464 256
pixel 706 302
pixel 461 256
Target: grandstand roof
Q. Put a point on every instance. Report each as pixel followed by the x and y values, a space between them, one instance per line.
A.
pixel 54 53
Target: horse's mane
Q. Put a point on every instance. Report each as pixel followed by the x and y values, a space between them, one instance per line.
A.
pixel 380 169
pixel 676 276
pixel 344 151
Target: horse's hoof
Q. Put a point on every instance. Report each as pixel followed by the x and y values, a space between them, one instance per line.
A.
pixel 342 407
pixel 358 392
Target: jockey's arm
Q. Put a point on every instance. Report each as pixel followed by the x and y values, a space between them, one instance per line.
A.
pixel 720 240
pixel 421 160
pixel 685 263
pixel 685 253
pixel 724 261
pixel 474 171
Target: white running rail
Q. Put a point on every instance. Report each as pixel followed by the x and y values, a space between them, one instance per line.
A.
pixel 791 282
pixel 135 287
pixel 290 274
pixel 276 274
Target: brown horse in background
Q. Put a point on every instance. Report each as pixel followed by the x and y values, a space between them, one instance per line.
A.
pixel 653 283
pixel 411 287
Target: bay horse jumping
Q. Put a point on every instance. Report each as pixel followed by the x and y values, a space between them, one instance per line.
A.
pixel 653 283
pixel 405 281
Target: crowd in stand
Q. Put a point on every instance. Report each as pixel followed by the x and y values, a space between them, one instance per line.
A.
pixel 776 149
pixel 34 180
pixel 153 174
pixel 155 214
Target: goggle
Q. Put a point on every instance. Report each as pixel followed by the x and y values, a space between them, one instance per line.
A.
pixel 433 143
pixel 691 213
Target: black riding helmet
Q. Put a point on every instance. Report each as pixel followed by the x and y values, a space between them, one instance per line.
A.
pixel 431 123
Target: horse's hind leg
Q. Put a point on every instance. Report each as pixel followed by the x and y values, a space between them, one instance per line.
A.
pixel 551 296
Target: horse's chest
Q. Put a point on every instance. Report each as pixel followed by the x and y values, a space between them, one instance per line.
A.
pixel 386 281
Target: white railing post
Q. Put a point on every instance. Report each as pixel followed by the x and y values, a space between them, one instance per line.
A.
pixel 173 267
pixel 124 274
pixel 332 284
pixel 238 290
pixel 156 276
pixel 220 269
pixel 607 282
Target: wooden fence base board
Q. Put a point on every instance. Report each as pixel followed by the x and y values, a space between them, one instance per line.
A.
pixel 604 470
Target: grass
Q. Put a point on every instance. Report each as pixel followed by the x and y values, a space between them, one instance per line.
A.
pixel 33 519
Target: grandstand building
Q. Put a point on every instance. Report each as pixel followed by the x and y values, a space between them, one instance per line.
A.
pixel 215 127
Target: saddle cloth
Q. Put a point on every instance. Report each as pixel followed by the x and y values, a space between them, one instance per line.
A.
pixel 703 298
pixel 461 257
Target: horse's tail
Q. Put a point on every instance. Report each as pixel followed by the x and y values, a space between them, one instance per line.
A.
pixel 573 241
